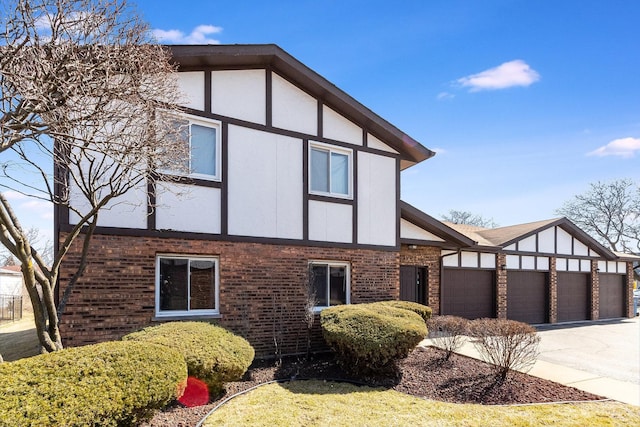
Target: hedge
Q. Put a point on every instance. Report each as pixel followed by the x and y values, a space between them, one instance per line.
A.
pixel 213 354
pixel 421 310
pixel 108 384
pixel 371 337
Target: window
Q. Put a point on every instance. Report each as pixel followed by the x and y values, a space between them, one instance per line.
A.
pixel 330 171
pixel 203 137
pixel 186 286
pixel 330 283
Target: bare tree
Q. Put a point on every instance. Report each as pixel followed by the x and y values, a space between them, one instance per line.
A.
pixel 610 212
pixel 84 98
pixel 465 217
pixel 38 242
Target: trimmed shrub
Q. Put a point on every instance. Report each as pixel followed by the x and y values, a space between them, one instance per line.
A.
pixel 447 332
pixel 506 344
pixel 108 384
pixel 421 310
pixel 371 337
pixel 213 354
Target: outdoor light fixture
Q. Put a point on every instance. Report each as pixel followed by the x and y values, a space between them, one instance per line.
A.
pixel 413 246
pixel 503 267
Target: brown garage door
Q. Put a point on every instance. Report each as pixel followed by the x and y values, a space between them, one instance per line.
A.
pixel 573 297
pixel 527 296
pixel 468 293
pixel 612 295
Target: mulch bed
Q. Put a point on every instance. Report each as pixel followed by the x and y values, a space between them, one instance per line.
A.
pixel 424 374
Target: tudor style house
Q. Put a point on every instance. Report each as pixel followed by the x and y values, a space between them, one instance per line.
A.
pixel 541 272
pixel 288 175
pixel 294 185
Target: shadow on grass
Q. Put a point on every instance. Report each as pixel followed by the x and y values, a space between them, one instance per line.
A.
pixel 474 388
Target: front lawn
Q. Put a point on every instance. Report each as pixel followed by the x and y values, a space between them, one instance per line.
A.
pixel 322 403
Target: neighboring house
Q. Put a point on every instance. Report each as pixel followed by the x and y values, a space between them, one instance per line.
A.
pixel 541 272
pixel 290 175
pixel 11 293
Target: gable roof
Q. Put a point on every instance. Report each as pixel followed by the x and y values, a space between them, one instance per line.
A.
pixel 429 223
pixel 198 57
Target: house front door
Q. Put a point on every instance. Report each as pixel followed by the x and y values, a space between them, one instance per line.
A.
pixel 413 283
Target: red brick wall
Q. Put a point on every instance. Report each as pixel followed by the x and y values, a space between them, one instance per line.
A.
pixel 501 286
pixel 426 256
pixel 261 287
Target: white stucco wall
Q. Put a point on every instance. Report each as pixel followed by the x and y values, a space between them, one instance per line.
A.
pixel 487 260
pixel 191 86
pixel 412 231
pixel 376 143
pixel 528 244
pixel 376 200
pixel 265 184
pixel 564 241
pixel 293 108
pixel 240 94
pixel 336 126
pixel 126 211
pixel 189 208
pixel 469 259
pixel 546 242
pixel 330 222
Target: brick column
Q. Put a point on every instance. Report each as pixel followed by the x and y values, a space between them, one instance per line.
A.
pixel 595 290
pixel 629 299
pixel 501 286
pixel 553 291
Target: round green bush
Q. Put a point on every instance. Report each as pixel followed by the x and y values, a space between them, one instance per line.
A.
pixel 371 337
pixel 108 384
pixel 421 310
pixel 213 354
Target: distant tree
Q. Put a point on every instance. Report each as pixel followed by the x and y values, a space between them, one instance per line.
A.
pixel 465 217
pixel 43 246
pixel 84 88
pixel 610 212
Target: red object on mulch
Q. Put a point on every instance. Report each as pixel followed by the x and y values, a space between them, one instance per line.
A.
pixel 196 393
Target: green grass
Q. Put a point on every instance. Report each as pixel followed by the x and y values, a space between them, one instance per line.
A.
pixel 320 403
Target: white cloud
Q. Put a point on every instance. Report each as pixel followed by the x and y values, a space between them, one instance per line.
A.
pixel 439 150
pixel 445 95
pixel 509 74
pixel 623 147
pixel 199 35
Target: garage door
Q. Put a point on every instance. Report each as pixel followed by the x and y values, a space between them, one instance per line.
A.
pixel 468 293
pixel 573 297
pixel 612 295
pixel 527 296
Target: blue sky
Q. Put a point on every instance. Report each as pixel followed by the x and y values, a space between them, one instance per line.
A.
pixel 517 97
pixel 513 143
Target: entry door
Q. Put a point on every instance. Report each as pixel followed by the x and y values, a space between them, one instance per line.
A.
pixel 413 283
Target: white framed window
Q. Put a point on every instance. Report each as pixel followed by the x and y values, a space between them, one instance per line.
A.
pixel 187 285
pixel 330 170
pixel 205 148
pixel 331 283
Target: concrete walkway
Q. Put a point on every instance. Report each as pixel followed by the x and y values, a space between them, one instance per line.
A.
pixel 602 358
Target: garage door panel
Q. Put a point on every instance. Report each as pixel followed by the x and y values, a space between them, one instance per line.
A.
pixel 527 296
pixel 468 293
pixel 573 297
pixel 612 295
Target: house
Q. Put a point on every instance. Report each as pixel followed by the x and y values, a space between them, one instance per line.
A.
pixel 11 292
pixel 540 272
pixel 290 175
pixel 294 185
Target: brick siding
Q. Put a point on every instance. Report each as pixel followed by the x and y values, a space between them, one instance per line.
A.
pixel 261 287
pixel 429 257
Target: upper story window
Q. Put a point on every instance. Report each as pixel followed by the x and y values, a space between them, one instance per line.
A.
pixel 330 170
pixel 186 286
pixel 331 283
pixel 203 137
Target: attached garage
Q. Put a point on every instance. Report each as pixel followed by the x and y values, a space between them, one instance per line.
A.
pixel 468 293
pixel 574 299
pixel 527 296
pixel 612 295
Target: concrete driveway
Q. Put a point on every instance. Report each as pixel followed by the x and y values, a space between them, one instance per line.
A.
pixel 604 348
